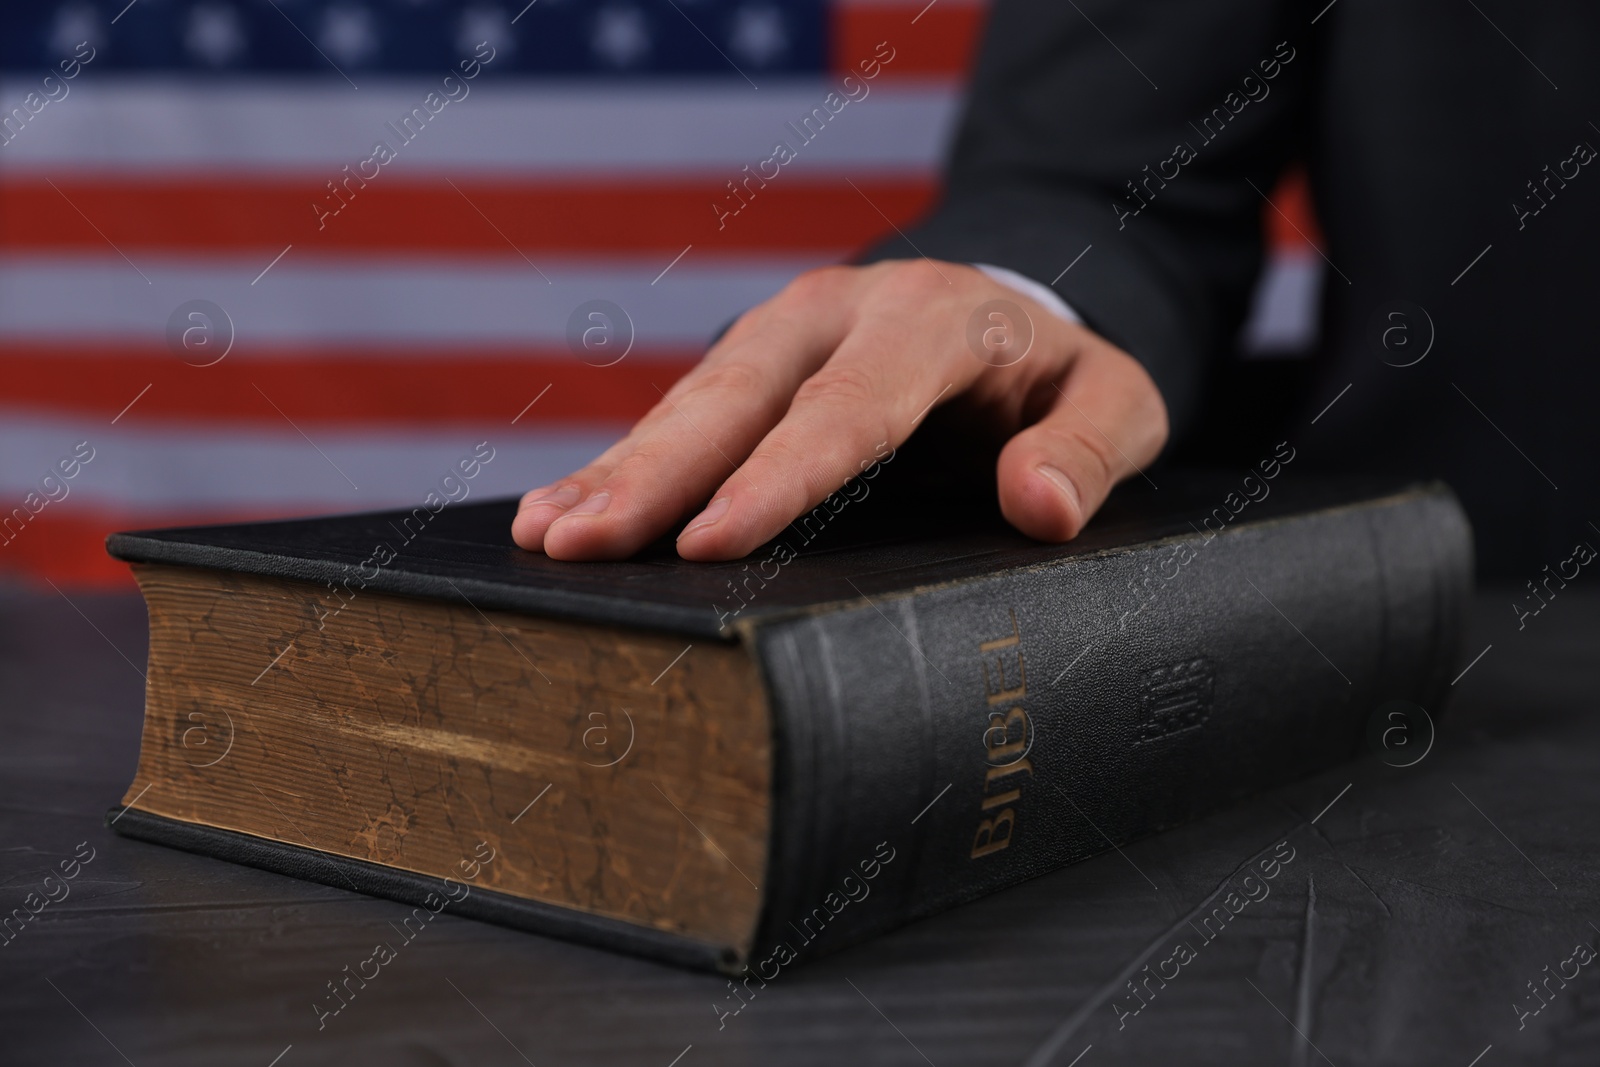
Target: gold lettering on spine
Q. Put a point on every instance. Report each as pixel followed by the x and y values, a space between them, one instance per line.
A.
pixel 1003 798
pixel 1006 740
pixel 1019 767
pixel 989 838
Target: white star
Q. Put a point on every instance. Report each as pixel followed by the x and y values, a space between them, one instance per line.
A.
pixel 76 23
pixel 758 34
pixel 480 24
pixel 348 35
pixel 621 36
pixel 213 34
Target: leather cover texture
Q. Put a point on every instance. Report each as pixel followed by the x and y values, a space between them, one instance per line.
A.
pixel 956 713
pixel 897 535
pixel 1155 682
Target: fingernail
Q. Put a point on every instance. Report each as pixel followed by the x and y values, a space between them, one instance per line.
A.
pixel 714 511
pixel 564 497
pixel 592 505
pixel 1061 482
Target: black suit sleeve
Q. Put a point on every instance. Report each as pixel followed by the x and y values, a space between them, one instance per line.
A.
pixel 1071 102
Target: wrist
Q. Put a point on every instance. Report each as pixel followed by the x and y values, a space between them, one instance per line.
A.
pixel 1036 291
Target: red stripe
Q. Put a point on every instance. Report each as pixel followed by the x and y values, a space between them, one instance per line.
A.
pixel 67 545
pixel 941 42
pixel 581 216
pixel 260 217
pixel 340 388
pixel 1291 218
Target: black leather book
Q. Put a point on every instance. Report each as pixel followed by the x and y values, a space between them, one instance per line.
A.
pixel 883 714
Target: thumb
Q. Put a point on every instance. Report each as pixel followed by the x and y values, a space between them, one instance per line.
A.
pixel 1107 423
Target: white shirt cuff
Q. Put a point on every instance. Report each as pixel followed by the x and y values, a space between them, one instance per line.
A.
pixel 1037 291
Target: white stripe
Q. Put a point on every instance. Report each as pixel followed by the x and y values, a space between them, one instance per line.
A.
pixel 158 471
pixel 53 299
pixel 257 127
pixel 1284 313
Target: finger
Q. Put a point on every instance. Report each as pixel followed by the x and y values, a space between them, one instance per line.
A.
pixel 1108 423
pixel 879 384
pixel 707 424
pixel 540 507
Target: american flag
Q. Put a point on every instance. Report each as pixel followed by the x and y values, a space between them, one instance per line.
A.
pixel 262 258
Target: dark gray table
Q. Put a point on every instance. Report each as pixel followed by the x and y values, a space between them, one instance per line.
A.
pixel 1418 908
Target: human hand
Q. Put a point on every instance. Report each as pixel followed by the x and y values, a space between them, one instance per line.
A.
pixel 809 385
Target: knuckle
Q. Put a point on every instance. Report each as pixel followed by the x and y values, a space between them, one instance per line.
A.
pixel 850 385
pixel 1103 458
pixel 809 480
pixel 817 284
pixel 914 278
pixel 822 480
pixel 643 426
pixel 730 378
pixel 660 412
pixel 639 468
pixel 748 322
pixel 802 470
pixel 1148 407
pixel 1153 416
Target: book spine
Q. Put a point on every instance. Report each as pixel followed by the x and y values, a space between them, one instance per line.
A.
pixel 937 746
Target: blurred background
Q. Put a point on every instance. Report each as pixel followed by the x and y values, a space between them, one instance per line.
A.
pixel 213 287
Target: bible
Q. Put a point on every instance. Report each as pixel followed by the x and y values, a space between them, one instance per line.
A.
pixel 881 714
